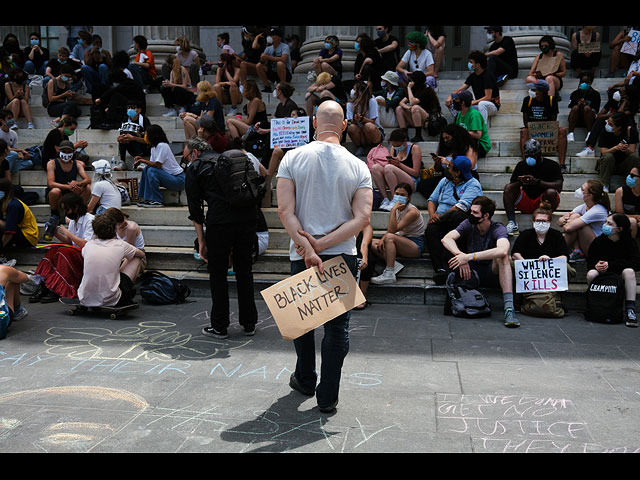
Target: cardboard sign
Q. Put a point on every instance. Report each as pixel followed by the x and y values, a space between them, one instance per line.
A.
pixel 546 133
pixel 548 65
pixel 590 47
pixel 631 47
pixel 289 132
pixel 309 299
pixel 541 276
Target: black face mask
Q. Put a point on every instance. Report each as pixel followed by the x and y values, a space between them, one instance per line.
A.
pixel 473 220
pixel 457 106
pixel 72 215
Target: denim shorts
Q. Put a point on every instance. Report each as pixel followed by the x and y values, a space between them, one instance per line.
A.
pixel 419 241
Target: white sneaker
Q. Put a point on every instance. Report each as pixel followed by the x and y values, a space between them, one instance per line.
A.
pixel 170 113
pixel 512 228
pixel 587 152
pixel 232 112
pixel 386 205
pixel 387 277
pixel 570 137
pixel 30 126
pixel 397 266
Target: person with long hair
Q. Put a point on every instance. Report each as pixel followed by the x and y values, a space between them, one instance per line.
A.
pixel 256 111
pixel 160 170
pixel 177 91
pixel 584 223
pixel 616 251
pixel 227 86
pixel 420 103
pixel 206 103
pixel 541 241
pixel 549 65
pixel 362 116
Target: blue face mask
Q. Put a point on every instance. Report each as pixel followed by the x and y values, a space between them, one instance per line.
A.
pixel 327 45
pixel 399 199
pixel 470 66
pixel 64 78
pixel 131 113
pixel 1 195
pixel 607 229
pixel 631 181
pixel 531 161
pixel 356 46
pixel 608 128
pixel 399 149
pixel 34 42
pixel 584 86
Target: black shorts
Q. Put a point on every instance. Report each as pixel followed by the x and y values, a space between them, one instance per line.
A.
pixel 126 287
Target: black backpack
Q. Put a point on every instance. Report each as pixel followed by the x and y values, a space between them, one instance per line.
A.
pixel 159 289
pixel 241 185
pixel 464 299
pixel 605 299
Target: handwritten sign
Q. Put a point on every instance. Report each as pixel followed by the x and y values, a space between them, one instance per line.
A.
pixel 309 299
pixel 631 47
pixel 541 275
pixel 589 47
pixel 289 132
pixel 546 132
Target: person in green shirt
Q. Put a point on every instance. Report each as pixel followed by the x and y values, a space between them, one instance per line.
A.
pixel 472 120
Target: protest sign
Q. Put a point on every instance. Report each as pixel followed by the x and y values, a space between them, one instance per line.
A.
pixel 546 132
pixel 631 47
pixel 309 299
pixel 289 132
pixel 589 47
pixel 541 275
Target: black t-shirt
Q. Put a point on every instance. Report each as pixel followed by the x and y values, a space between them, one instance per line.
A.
pixel 527 245
pixel 54 137
pixel 630 202
pixel 284 110
pixel 54 65
pixel 610 139
pixel 544 110
pixel 390 59
pixel 618 254
pixel 510 54
pixel 4 166
pixel 546 170
pixel 482 82
pixel 591 97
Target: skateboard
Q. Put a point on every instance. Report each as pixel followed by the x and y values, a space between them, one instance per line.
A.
pixel 114 312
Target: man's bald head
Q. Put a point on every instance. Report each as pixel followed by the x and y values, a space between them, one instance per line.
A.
pixel 329 113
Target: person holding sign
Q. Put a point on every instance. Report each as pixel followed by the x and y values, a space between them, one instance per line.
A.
pixel 619 59
pixel 533 180
pixel 539 106
pixel 324 226
pixel 482 245
pixel 548 65
pixel 618 147
pixel 540 242
pixel 586 53
pixel 616 251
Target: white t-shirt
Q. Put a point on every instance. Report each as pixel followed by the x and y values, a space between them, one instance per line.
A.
pixel 594 217
pixel 108 193
pixel 101 276
pixel 372 111
pixel 11 137
pixel 162 153
pixel 424 60
pixel 326 177
pixel 82 227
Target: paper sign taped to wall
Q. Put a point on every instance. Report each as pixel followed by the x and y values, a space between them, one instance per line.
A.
pixel 309 299
pixel 541 275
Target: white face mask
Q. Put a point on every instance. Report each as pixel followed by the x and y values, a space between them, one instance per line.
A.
pixel 275 94
pixel 616 96
pixel 532 93
pixel 541 227
pixel 66 157
pixel 578 194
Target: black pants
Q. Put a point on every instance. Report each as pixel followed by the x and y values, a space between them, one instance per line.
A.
pixel 222 241
pixel 434 234
pixel 498 67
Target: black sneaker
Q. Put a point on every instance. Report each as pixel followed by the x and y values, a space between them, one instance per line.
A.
pixel 329 408
pixel 632 320
pixel 293 383
pixel 212 332
pixel 250 331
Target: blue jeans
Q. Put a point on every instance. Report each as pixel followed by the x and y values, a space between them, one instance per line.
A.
pixel 153 178
pixel 31 69
pixel 92 76
pixel 16 163
pixel 334 348
pixel 140 75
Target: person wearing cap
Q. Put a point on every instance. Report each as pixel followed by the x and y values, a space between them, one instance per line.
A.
pixel 534 180
pixel 502 56
pixel 104 193
pixel 388 98
pixel 404 236
pixel 448 205
pixel 471 119
pixel 539 106
pixel 482 245
pixel 275 61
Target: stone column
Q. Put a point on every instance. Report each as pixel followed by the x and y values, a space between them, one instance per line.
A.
pixel 160 40
pixel 526 40
pixel 315 42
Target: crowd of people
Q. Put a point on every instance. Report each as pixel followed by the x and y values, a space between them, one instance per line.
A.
pixel 392 99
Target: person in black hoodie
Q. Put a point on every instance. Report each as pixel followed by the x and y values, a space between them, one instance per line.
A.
pixel 616 251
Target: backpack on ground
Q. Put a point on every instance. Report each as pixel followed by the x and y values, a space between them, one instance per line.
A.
pixel 605 299
pixel 464 299
pixel 542 304
pixel 5 319
pixel 241 185
pixel 159 289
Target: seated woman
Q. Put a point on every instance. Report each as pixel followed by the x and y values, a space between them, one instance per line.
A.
pixel 161 170
pixel 388 98
pixel 540 242
pixel 17 93
pixel 177 91
pixel 582 225
pixel 404 236
pixel 627 199
pixel 61 99
pixel 59 273
pixel 12 309
pixel 615 251
pixel 362 116
pixel 106 280
pixel 549 65
pixel 17 222
pixel 104 193
pixel 420 103
pixel 322 88
pixel 404 166
pixel 227 86
pixel 256 111
pixel 207 103
pixel 330 58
